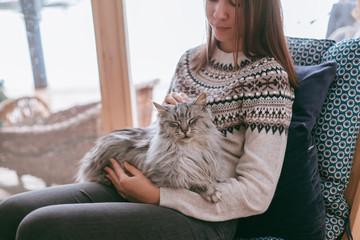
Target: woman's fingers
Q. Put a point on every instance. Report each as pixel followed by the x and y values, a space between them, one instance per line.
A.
pixel 115 175
pixel 117 186
pixel 185 97
pixel 169 100
pixel 135 188
pixel 175 98
pixel 112 176
pixel 118 170
pixel 131 169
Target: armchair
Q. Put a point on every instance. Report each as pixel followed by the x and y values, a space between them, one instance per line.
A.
pixel 335 133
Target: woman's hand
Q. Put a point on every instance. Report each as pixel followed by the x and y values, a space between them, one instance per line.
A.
pixel 175 98
pixel 137 188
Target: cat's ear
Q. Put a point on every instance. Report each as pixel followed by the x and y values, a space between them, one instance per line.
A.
pixel 161 109
pixel 201 100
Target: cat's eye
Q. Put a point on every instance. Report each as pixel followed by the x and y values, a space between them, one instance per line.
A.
pixel 174 124
pixel 193 121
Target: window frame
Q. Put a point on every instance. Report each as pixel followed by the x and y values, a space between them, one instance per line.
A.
pixel 112 54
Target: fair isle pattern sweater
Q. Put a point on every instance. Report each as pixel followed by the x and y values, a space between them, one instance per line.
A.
pixel 252 107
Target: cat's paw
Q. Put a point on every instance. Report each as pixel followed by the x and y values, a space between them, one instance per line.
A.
pixel 212 194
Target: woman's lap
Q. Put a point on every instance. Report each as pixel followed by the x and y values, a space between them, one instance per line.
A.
pixel 94 211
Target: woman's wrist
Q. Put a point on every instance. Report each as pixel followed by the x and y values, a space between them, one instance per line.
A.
pixel 155 199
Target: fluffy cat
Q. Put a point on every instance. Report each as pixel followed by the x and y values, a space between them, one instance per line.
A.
pixel 182 150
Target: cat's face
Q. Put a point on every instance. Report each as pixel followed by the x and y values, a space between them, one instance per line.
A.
pixel 185 122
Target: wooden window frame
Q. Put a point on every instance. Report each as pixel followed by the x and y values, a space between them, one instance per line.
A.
pixel 112 54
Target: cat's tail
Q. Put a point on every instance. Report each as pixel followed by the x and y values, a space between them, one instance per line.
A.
pixel 86 171
pixel 91 168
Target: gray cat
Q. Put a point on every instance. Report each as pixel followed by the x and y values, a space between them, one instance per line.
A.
pixel 182 150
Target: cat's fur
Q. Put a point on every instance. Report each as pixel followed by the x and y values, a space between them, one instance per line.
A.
pixel 181 151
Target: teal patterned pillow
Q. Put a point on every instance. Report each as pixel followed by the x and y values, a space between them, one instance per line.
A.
pixel 336 132
pixel 306 51
pixel 337 127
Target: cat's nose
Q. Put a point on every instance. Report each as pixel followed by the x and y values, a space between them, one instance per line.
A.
pixel 184 130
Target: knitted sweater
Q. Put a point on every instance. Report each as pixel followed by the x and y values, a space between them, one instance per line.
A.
pixel 252 107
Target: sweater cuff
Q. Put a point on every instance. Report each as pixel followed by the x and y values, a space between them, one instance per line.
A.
pixel 167 196
pixel 173 198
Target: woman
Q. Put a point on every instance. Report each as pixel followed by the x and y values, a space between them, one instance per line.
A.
pixel 246 70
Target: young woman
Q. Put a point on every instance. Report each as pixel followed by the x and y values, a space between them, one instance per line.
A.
pixel 246 70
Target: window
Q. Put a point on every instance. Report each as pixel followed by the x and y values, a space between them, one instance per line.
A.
pixel 307 18
pixel 65 44
pixel 160 31
pixel 68 50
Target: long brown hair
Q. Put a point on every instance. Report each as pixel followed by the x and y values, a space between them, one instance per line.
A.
pixel 262 35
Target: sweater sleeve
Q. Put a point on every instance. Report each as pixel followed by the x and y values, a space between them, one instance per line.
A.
pixel 267 116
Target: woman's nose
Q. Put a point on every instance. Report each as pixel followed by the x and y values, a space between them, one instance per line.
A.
pixel 221 11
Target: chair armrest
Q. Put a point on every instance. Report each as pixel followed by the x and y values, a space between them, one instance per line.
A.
pixel 352 194
pixel 355 216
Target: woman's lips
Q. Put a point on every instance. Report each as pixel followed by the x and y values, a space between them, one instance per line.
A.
pixel 221 28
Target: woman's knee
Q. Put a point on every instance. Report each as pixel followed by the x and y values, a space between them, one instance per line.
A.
pixel 40 224
pixel 12 211
pixel 8 207
pixel 17 206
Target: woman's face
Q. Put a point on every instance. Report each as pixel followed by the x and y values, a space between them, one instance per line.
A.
pixel 221 17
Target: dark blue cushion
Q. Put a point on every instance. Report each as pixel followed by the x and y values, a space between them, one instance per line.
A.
pixel 310 96
pixel 297 210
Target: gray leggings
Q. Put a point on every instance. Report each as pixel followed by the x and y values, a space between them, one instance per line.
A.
pixel 94 211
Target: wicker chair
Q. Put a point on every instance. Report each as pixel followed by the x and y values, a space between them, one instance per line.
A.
pixel 24 110
pixel 50 147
